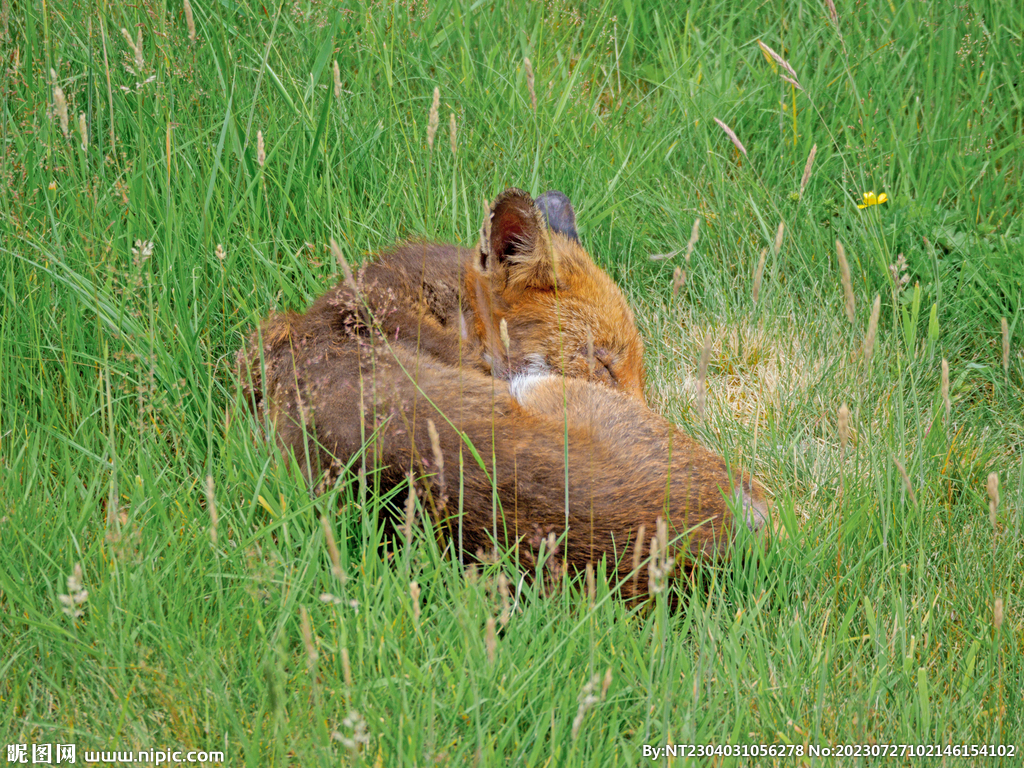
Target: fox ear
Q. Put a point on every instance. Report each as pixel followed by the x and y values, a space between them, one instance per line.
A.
pixel 514 235
pixel 559 214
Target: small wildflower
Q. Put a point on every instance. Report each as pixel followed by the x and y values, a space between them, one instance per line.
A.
pixel 355 726
pixel 219 252
pixel 76 595
pixel 52 186
pixel 142 251
pixel 586 700
pixel 898 271
pixel 871 199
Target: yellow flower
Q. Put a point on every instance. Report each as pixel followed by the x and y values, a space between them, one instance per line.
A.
pixel 871 199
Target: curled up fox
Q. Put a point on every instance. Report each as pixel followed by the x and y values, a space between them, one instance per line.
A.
pixel 518 360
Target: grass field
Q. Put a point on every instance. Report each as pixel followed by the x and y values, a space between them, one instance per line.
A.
pixel 161 191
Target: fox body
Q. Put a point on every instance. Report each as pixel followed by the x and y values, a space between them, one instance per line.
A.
pixel 416 357
pixel 561 312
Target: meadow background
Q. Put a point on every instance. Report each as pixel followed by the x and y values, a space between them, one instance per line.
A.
pixel 162 189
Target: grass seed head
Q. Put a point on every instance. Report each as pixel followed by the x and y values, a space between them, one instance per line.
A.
pixel 844 425
pixel 337 80
pixel 530 83
pixel 759 273
pixel 190 22
pixel 807 169
pixel 869 338
pixel 432 118
pixel 993 499
pixel 997 613
pixel 452 134
pixel 414 595
pixel 694 234
pixel 307 637
pixel 732 136
pixel 491 640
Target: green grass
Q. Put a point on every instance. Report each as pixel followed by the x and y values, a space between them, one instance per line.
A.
pixel 872 622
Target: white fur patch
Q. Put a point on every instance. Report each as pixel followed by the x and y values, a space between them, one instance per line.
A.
pixel 523 383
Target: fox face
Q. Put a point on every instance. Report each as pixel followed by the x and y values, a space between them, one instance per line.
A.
pixel 541 305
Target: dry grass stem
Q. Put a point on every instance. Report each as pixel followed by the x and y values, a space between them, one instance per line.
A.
pixel 211 506
pixel 638 551
pixel 332 547
pixel 702 375
pixel 433 119
pixel 345 269
pixel 307 637
pixel 869 338
pixel 906 481
pixel 678 280
pixel 591 586
pixel 346 669
pixel 491 639
pixel 1006 346
pixel 414 595
pixel 945 389
pixel 452 134
pixel 807 169
pixel 732 136
pixel 844 272
pixel 759 273
pixel 190 22
pixel 530 83
pixel 694 234
pixel 410 507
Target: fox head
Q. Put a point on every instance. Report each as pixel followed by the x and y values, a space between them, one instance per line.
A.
pixel 540 303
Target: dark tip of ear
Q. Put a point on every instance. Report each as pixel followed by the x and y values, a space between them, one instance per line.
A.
pixel 559 214
pixel 514 224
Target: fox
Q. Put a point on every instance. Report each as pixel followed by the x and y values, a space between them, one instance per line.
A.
pixel 517 362
pixel 529 274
